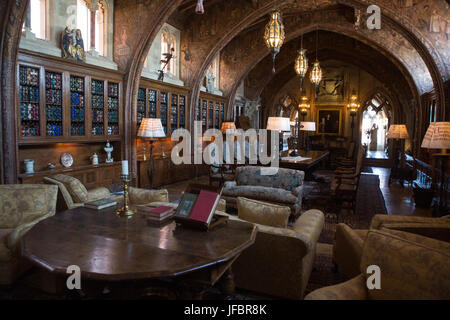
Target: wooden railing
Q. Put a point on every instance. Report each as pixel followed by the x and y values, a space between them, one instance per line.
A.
pixel 429 177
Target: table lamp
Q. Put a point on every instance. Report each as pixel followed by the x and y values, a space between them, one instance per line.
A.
pixel 151 129
pixel 399 132
pixel 279 124
pixel 438 137
pixel 307 126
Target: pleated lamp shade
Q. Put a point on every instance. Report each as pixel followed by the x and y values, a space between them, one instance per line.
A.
pixel 151 128
pixel 397 131
pixel 437 136
pixel 307 126
pixel 278 124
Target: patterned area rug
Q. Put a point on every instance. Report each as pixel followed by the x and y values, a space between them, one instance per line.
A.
pixel 323 274
pixel 369 202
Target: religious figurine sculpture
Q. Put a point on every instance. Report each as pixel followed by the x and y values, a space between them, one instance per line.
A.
pixel 210 81
pixel 109 148
pixel 166 61
pixel 72 44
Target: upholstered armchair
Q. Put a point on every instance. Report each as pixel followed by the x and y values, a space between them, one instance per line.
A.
pixel 348 242
pixel 140 196
pixel 412 267
pixel 21 207
pixel 280 261
pixel 73 194
pixel 283 188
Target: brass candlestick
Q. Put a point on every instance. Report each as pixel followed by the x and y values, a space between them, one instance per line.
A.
pixel 125 210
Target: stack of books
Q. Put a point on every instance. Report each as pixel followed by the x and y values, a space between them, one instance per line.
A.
pixel 100 204
pixel 156 214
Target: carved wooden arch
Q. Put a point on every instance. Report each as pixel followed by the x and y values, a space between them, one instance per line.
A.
pixel 14 14
pixel 133 76
pixel 393 102
pixel 326 27
pixel 348 57
pixel 288 70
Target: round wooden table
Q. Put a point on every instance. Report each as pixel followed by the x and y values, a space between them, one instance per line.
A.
pixel 108 247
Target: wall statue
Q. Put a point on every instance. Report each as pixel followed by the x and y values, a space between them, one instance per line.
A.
pixel 72 44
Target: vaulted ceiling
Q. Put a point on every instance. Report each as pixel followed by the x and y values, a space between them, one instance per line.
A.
pixel 412 37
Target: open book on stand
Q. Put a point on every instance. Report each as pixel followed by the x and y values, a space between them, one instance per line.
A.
pixel 197 207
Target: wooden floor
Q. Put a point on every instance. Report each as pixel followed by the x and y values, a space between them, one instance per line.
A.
pixel 398 199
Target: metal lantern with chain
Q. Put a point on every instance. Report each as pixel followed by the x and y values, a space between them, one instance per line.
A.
pixel 316 73
pixel 274 34
pixel 301 66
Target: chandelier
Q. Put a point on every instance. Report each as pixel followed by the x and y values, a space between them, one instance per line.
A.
pixel 301 65
pixel 274 34
pixel 316 72
pixel 353 106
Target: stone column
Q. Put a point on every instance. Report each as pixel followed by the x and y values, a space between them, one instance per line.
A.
pixel 93 7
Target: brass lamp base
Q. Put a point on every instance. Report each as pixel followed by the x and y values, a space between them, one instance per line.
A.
pixel 125 210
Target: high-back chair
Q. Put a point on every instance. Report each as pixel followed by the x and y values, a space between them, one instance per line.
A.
pixel 21 207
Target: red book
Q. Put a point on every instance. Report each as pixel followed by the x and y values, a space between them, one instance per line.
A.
pixel 160 209
pixel 205 206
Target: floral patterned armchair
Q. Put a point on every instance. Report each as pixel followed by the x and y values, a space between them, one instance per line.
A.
pixel 21 207
pixel 283 188
pixel 412 267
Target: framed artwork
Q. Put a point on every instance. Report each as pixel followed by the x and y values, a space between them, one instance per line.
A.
pixel 329 121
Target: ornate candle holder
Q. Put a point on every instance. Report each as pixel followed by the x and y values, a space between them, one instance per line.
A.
pixel 125 210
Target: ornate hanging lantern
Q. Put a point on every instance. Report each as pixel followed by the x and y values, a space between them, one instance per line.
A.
pixel 301 66
pixel 199 7
pixel 316 74
pixel 301 63
pixel 274 34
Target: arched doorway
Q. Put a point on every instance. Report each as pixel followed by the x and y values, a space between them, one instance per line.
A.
pixel 375 123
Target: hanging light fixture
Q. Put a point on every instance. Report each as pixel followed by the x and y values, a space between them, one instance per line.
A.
pixel 301 64
pixel 199 7
pixel 316 72
pixel 274 34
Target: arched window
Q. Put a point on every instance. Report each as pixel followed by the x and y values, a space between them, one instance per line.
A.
pixel 168 46
pixel 85 23
pixel 100 23
pixel 36 18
